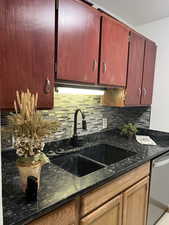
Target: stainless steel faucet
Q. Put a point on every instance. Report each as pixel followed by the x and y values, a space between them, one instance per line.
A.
pixel 74 139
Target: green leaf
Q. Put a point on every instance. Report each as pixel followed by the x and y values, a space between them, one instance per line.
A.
pixel 44 159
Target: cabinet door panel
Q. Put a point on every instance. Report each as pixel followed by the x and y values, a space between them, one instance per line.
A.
pixel 148 73
pixel 108 214
pixel 62 216
pixel 98 197
pixel 135 203
pixel 26 49
pixel 135 69
pixel 114 53
pixel 78 42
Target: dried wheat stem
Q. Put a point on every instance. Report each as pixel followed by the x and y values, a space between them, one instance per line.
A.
pixel 15 106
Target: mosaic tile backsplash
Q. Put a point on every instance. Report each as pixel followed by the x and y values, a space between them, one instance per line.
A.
pixel 65 106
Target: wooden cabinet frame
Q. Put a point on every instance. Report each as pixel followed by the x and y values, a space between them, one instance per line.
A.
pixel 135 203
pixel 134 187
pixel 27 50
pixel 77 42
pixel 111 209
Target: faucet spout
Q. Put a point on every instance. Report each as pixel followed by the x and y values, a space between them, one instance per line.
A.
pixel 74 139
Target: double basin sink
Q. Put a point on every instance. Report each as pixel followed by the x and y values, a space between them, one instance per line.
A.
pixel 91 159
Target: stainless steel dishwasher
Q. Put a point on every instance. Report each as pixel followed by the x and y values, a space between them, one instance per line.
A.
pixel 159 189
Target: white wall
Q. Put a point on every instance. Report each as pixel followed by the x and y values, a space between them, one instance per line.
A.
pixel 105 9
pixel 159 32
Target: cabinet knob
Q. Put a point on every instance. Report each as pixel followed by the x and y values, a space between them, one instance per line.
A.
pixel 145 91
pixel 48 86
pixel 94 65
pixel 104 67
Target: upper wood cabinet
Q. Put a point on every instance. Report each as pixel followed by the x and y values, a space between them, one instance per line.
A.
pixel 135 69
pixel 78 37
pixel 148 73
pixel 81 43
pixel 114 52
pixel 141 68
pixel 27 50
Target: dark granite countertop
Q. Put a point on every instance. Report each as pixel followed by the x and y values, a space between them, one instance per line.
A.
pixel 58 186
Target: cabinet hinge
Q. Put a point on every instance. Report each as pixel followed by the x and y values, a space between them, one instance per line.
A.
pixel 129 38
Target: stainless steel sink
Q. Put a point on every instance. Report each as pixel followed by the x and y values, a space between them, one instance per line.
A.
pixel 106 154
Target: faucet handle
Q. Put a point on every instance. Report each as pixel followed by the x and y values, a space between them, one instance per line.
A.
pixel 84 125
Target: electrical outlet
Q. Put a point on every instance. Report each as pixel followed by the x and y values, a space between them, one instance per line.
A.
pixel 104 123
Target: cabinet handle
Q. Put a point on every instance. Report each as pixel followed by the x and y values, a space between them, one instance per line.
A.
pixel 85 77
pixel 104 67
pixel 139 90
pixel 94 65
pixel 145 91
pixel 48 86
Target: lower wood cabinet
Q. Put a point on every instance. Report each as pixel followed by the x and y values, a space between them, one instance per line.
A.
pixel 108 214
pixel 128 208
pixel 135 201
pixel 120 202
pixel 99 196
pixel 65 215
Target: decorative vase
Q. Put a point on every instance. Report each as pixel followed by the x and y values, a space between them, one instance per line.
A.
pixel 26 171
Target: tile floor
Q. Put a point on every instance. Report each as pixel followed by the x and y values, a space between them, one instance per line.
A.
pixel 164 220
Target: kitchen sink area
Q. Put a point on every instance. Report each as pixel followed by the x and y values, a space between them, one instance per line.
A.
pixel 81 142
pixel 91 159
pixel 106 154
pixel 76 164
pixel 103 161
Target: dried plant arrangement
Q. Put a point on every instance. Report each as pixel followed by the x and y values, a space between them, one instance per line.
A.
pixel 29 129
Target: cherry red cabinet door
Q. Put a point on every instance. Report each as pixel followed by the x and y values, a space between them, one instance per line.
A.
pixel 26 50
pixel 114 53
pixel 148 73
pixel 135 69
pixel 78 42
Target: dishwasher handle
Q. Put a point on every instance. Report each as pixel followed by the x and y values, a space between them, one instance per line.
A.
pixel 161 162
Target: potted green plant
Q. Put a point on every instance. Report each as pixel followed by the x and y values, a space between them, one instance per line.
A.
pixel 128 130
pixel 29 129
